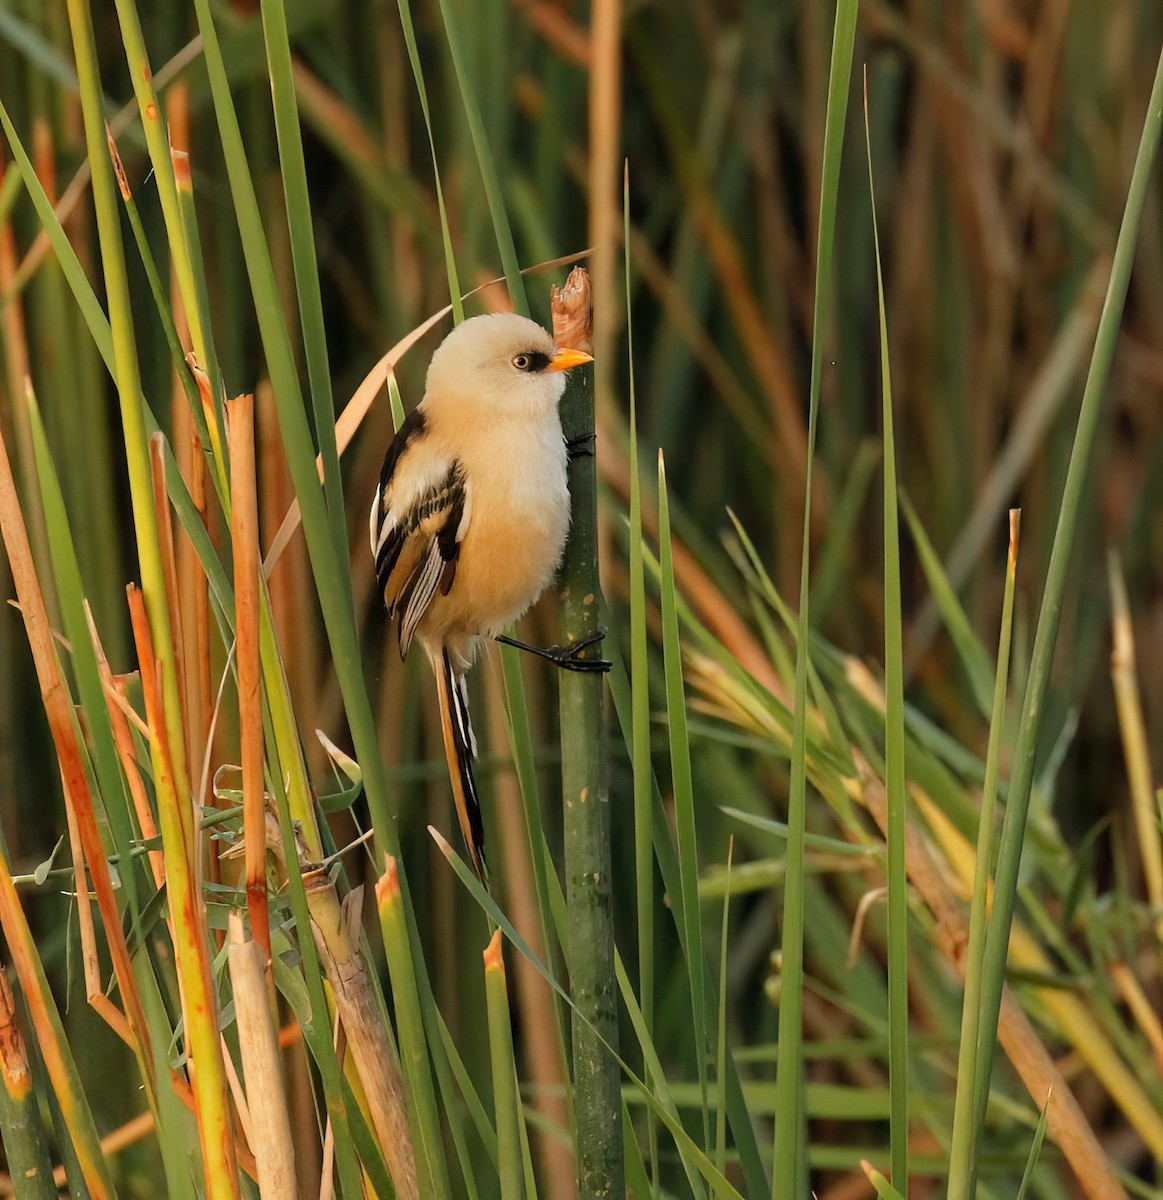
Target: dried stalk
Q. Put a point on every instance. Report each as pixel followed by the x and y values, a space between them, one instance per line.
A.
pixel 1065 1121
pixel 57 706
pixel 244 527
pixel 584 789
pixel 1135 742
pixel 375 1060
pixel 25 1146
pixel 270 1123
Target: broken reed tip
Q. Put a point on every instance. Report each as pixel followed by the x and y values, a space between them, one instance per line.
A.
pixel 573 312
pixel 388 884
pixel 494 958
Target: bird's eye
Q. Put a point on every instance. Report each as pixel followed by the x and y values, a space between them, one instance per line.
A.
pixel 522 362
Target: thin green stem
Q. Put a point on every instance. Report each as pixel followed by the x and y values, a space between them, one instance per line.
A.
pixel 588 883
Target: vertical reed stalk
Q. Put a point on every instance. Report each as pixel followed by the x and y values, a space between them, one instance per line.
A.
pixel 270 1123
pixel 367 1038
pixel 244 527
pixel 961 1153
pixel 506 1103
pixel 410 1025
pixel 588 886
pixel 1136 744
pixel 25 1146
pixel 1046 635
pixel 188 915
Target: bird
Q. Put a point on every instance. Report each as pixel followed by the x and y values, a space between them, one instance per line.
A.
pixel 470 518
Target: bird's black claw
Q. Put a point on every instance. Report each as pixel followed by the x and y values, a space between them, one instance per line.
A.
pixel 581 446
pixel 568 658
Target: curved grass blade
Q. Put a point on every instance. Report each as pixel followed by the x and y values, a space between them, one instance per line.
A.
pixel 640 711
pixel 505 1101
pixel 684 804
pixel 1033 701
pixel 720 1187
pixel 502 230
pixel 962 1150
pixel 894 738
pixel 303 259
pixel 422 92
pixel 789 1066
pixel 1035 1150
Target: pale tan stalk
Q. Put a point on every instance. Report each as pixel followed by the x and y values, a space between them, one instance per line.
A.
pixel 1135 743
pixel 270 1123
pixel 244 529
pixel 375 1059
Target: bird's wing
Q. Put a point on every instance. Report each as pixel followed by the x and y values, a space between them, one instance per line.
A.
pixel 420 516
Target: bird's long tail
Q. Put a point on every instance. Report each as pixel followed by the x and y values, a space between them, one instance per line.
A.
pixel 460 750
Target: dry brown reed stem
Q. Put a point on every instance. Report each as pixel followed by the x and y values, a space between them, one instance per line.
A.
pixel 1066 1122
pixel 270 1123
pixel 116 704
pixel 13 1055
pixel 244 537
pixel 13 921
pixel 375 1060
pixel 1135 741
pixel 25 1147
pixel 604 175
pixel 90 959
pixel 559 30
pixel 1144 1012
pixel 58 709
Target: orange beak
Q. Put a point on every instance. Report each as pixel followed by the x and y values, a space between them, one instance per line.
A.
pixel 563 360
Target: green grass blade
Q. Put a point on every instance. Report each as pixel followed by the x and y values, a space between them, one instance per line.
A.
pixel 422 91
pixel 640 712
pixel 153 121
pixel 721 1039
pixel 742 1128
pixel 684 801
pixel 494 196
pixel 412 1044
pixel 1033 702
pixel 884 1189
pixel 304 259
pixel 71 597
pixel 128 379
pixel 971 1067
pixel 506 1104
pixel 789 1067
pixel 1035 1150
pixel 70 264
pixel 894 736
pixel 719 1185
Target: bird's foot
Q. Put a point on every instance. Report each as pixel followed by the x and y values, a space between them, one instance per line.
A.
pixel 567 658
pixel 581 446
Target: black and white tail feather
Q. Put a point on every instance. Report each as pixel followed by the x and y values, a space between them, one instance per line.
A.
pixel 460 749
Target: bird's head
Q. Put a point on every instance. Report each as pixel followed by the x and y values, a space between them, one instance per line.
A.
pixel 502 361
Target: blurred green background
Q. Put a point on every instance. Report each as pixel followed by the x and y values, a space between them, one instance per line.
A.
pixel 1003 134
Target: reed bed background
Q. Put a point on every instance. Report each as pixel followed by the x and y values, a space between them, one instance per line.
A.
pixel 862 754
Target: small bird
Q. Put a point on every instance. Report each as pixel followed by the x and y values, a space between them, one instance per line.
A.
pixel 471 515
